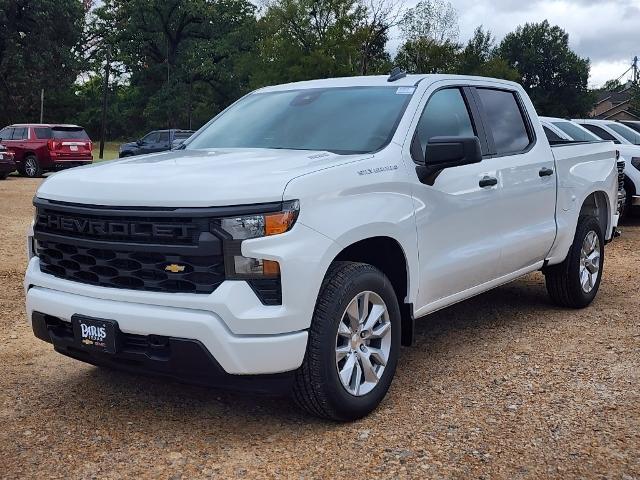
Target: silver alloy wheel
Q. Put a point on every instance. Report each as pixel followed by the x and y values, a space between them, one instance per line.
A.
pixel 363 343
pixel 589 261
pixel 30 167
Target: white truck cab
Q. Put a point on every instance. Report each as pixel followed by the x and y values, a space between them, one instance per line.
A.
pixel 295 237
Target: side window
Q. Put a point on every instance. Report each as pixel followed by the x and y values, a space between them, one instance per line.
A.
pixel 446 115
pixel 600 132
pixel 163 137
pixel 551 135
pixel 505 121
pixel 43 133
pixel 19 133
pixel 6 133
pixel 151 138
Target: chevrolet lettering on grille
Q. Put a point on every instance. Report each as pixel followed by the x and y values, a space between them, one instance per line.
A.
pixel 115 229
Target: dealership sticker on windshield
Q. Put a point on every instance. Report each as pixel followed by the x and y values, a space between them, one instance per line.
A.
pixel 405 90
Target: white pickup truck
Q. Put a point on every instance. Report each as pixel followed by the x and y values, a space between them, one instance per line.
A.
pixel 294 239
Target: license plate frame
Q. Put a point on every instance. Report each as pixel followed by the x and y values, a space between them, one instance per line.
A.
pixel 95 334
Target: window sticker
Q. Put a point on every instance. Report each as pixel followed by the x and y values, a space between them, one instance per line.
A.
pixel 405 90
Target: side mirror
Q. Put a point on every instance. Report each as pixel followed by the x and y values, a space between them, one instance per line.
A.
pixel 139 142
pixel 448 152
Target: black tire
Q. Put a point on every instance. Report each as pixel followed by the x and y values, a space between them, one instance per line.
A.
pixel 3 176
pixel 563 280
pixel 317 388
pixel 31 167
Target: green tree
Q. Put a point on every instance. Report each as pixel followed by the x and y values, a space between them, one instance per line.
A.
pixel 39 49
pixel 430 30
pixel 184 60
pixel 306 39
pixel 554 76
pixel 478 57
pixel 427 56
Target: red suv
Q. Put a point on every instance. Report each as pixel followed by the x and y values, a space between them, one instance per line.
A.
pixel 40 148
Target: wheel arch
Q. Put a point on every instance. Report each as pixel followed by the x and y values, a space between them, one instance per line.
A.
pixel 386 254
pixel 596 204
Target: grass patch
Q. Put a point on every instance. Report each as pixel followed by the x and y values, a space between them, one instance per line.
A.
pixel 110 151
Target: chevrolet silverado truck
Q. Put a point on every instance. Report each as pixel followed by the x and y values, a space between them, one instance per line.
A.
pixel 295 238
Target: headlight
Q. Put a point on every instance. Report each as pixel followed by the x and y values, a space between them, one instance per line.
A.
pixel 262 225
pixel 635 161
pixel 254 226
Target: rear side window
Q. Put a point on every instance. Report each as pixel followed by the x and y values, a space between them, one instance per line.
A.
pixel 43 133
pixel 627 133
pixel 551 135
pixel 71 133
pixel 446 115
pixel 575 132
pixel 19 133
pixel 505 121
pixel 601 132
pixel 182 135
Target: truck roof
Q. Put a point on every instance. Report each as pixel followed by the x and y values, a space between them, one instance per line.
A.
pixel 377 81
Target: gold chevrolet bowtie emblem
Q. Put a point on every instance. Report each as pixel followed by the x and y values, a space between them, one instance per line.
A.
pixel 173 268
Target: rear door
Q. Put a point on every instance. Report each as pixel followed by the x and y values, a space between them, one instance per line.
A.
pixel 526 170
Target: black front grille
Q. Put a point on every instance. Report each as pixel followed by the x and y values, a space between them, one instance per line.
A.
pixel 152 250
pixel 119 268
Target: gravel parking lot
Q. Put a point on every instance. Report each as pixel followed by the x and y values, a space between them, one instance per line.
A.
pixel 502 386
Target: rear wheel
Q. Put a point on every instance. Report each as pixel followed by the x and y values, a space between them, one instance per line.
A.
pixel 353 346
pixel 31 167
pixel 575 282
pixel 3 176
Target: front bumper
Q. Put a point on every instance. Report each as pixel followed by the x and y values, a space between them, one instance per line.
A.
pixel 177 358
pixel 236 354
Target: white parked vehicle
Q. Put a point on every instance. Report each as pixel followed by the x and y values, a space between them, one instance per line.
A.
pixel 560 130
pixel 628 143
pixel 295 237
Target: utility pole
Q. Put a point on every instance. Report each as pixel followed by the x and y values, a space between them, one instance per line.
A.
pixel 104 102
pixel 636 70
pixel 41 105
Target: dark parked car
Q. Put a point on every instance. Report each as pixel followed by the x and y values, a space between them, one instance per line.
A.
pixel 7 165
pixel 40 148
pixel 156 141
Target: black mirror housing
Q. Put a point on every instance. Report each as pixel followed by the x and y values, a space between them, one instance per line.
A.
pixel 448 152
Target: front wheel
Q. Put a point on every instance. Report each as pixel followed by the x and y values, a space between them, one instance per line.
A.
pixel 575 282
pixel 353 346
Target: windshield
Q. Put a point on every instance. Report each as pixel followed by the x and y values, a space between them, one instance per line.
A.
pixel 576 132
pixel 340 120
pixel 628 134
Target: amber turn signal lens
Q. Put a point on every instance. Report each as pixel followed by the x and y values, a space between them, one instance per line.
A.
pixel 277 223
pixel 270 268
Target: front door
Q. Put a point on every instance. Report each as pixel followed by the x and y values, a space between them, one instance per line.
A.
pixel 458 231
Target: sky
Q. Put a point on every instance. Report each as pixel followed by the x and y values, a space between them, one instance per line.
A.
pixel 605 31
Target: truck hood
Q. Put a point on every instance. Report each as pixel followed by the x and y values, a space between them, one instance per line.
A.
pixel 189 178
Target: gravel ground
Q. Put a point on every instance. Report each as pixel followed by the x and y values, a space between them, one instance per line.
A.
pixel 502 386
